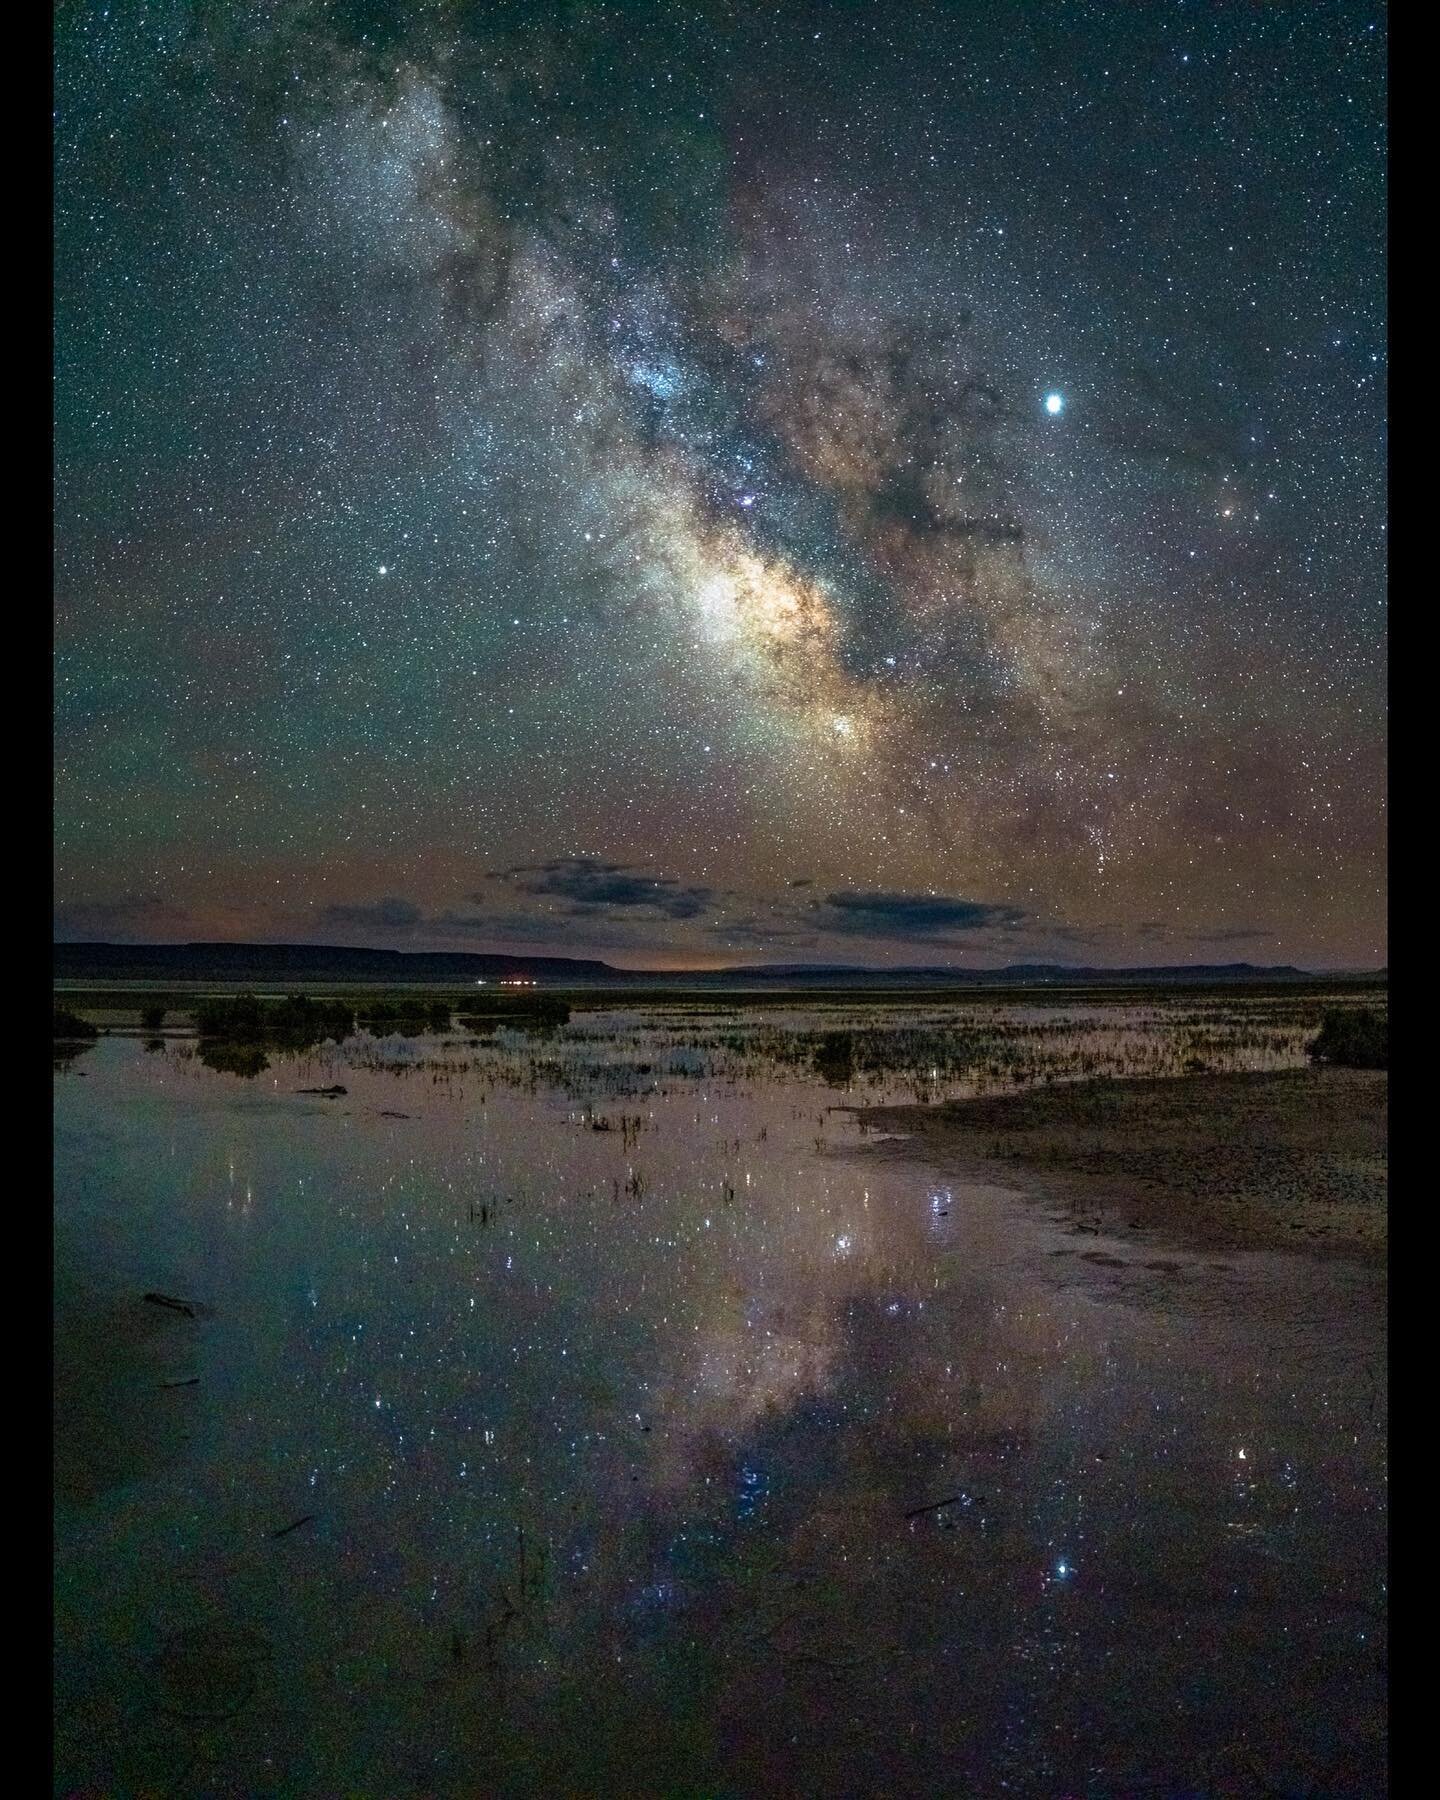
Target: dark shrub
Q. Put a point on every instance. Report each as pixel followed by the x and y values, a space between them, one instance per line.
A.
pixel 537 1010
pixel 239 1018
pixel 1352 1040
pixel 152 1017
pixel 378 1012
pixel 835 1058
pixel 296 1021
pixel 300 1021
pixel 71 1025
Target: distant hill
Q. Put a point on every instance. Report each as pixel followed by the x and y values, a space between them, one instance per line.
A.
pixel 1014 974
pixel 278 963
pixel 312 962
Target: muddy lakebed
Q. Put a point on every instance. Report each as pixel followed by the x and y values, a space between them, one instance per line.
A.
pixel 606 1410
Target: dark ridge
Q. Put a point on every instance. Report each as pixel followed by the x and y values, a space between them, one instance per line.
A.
pixel 322 962
pixel 325 962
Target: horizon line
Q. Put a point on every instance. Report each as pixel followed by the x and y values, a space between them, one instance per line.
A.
pixel 139 947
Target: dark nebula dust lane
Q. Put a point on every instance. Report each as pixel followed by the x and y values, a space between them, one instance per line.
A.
pixel 705 483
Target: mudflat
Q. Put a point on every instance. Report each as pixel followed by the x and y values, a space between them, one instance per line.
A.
pixel 1292 1158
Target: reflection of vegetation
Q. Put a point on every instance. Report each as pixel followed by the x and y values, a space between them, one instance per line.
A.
pixel 152 1017
pixel 234 1059
pixel 72 1035
pixel 835 1057
pixel 71 1025
pixel 154 1044
pixel 406 1015
pixel 529 1010
pixel 1353 1039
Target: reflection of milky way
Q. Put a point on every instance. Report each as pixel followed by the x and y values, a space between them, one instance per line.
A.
pixel 482 442
pixel 775 1444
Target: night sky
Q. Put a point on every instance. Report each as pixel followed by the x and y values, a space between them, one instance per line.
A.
pixel 723 482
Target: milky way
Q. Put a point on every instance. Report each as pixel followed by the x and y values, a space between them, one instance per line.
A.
pixel 696 484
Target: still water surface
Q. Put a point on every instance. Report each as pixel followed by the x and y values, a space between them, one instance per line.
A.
pixel 724 1451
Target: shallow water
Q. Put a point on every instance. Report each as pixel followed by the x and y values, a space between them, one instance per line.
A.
pixel 611 1448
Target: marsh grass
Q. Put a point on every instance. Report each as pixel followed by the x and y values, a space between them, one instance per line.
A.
pixel 875 1052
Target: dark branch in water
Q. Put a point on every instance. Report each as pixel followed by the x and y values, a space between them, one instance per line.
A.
pixel 915 1512
pixel 180 1306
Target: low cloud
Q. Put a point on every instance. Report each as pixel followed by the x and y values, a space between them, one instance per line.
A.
pixel 594 888
pixel 932 918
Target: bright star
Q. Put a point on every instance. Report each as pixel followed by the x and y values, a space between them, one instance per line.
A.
pixel 1054 404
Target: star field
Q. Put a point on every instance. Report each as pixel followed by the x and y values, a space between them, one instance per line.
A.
pixel 698 484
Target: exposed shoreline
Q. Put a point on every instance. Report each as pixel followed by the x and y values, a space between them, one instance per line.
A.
pixel 1292 1159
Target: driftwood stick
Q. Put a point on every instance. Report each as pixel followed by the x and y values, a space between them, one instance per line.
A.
pixel 180 1306
pixel 934 1506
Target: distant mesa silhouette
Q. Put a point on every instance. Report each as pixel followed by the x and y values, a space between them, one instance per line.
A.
pixel 323 962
